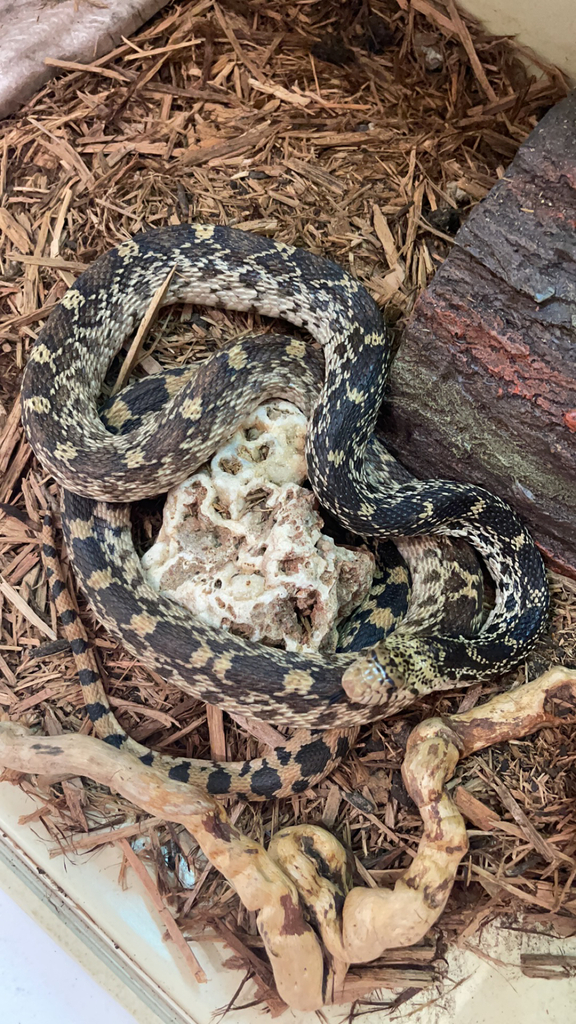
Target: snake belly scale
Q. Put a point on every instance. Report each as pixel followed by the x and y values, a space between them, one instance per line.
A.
pixel 350 471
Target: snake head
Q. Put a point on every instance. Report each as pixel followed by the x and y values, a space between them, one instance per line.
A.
pixel 395 672
pixel 368 680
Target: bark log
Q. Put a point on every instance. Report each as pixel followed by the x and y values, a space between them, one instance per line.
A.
pixel 484 386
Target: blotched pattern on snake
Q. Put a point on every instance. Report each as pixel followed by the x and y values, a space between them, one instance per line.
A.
pixel 352 474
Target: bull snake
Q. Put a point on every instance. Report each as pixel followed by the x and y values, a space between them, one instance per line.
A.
pixel 351 473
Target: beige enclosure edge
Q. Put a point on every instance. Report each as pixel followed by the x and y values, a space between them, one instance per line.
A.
pixel 547 26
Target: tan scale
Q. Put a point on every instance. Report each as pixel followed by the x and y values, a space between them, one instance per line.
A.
pixel 143 624
pixel 101 579
pixel 192 409
pixel 237 357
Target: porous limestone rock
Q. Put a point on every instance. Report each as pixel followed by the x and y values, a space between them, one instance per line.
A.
pixel 242 547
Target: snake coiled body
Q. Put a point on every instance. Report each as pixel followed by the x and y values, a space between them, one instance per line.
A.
pixel 351 473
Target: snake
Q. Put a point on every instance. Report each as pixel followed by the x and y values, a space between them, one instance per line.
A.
pixel 351 472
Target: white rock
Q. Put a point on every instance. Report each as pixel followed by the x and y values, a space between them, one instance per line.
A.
pixel 242 547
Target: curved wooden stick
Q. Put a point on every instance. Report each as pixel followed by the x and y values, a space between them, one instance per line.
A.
pixel 371 920
pixel 294 951
pixel 374 920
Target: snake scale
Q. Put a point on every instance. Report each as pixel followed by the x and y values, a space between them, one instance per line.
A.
pixel 352 474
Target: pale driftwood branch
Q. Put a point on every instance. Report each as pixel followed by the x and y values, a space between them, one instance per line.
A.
pixel 294 950
pixel 278 884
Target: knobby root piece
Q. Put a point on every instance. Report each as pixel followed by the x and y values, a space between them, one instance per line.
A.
pixel 306 866
pixel 321 869
pixel 374 920
pixel 359 924
pixel 517 712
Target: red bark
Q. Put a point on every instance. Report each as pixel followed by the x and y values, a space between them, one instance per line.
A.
pixel 484 386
